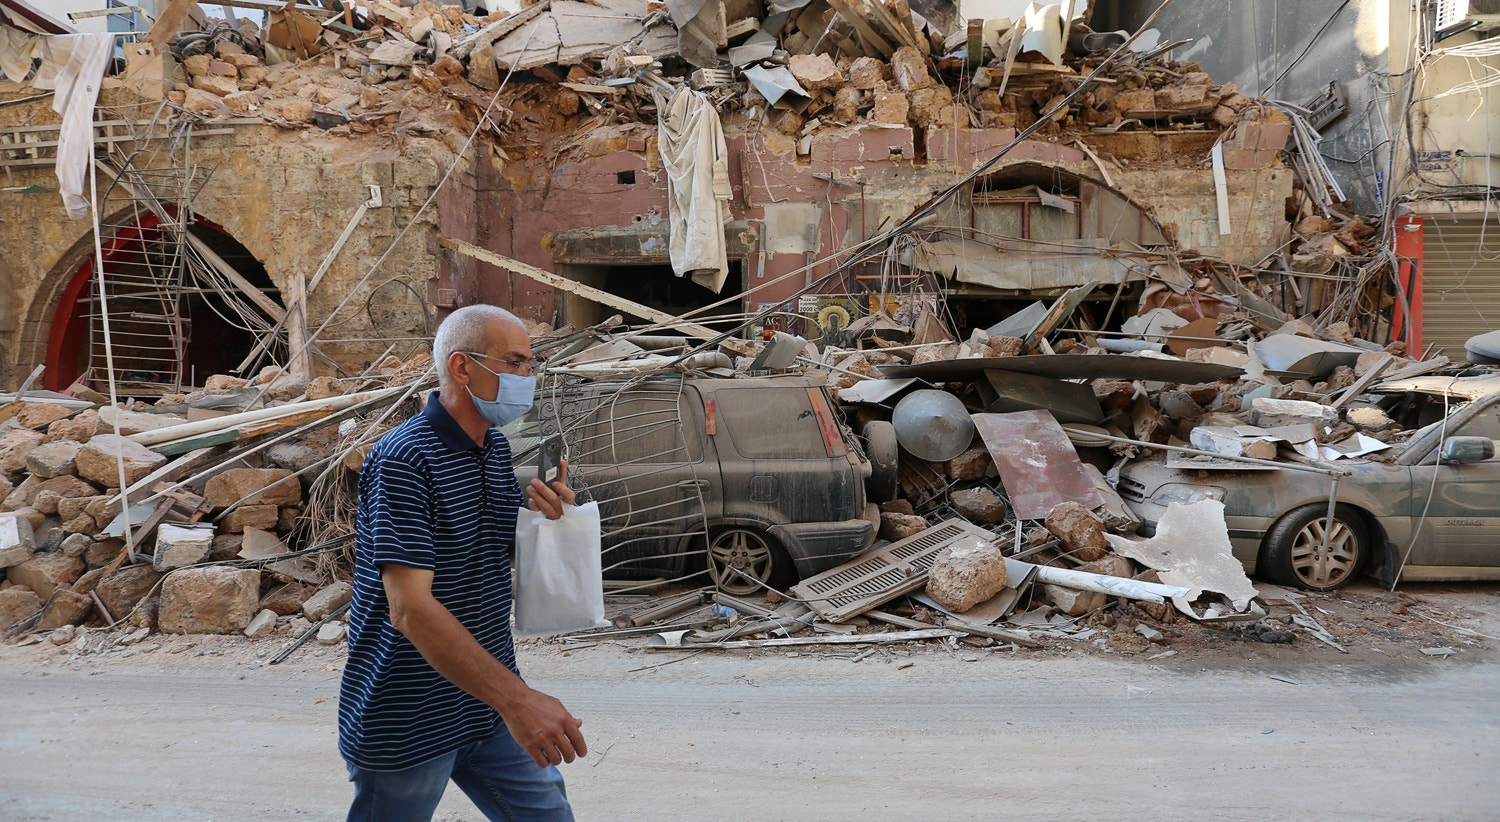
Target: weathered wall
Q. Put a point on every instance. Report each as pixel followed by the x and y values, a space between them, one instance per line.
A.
pixel 605 200
pixel 285 196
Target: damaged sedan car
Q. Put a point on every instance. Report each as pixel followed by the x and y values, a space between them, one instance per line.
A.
pixel 1424 509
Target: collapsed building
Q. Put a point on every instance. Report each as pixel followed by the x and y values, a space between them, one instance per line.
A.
pixel 284 209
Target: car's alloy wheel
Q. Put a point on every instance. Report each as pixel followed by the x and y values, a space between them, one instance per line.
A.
pixel 1296 553
pixel 742 561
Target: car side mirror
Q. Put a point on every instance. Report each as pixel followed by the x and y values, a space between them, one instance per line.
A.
pixel 1459 450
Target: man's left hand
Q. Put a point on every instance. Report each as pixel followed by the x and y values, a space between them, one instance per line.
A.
pixel 548 500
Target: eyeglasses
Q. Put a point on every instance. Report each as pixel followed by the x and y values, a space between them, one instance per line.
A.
pixel 524 367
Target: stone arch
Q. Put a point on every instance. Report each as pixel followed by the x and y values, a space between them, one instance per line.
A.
pixel 205 340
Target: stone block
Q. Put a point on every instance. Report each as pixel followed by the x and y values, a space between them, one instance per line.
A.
pixel 1134 99
pixel 97 460
pixel 224 382
pixel 909 69
pixel 867 73
pixel 327 601
pixel 65 608
pixel 17 604
pixel 926 105
pixel 287 599
pixel 53 459
pixel 980 506
pixel 1230 443
pixel 76 544
pixel 103 552
pixel 297 111
pixel 15 445
pixel 853 364
pixel 88 582
pixel 897 506
pixel 17 540
pixel 213 600
pixel 967 574
pixel 815 71
pixel 1268 413
pixel 226 547
pixel 242 102
pixel 6 486
pixel 241 61
pixel 199 101
pixel 197 64
pixel 216 84
pixel 41 415
pixel 261 625
pixel 332 634
pixel 255 486
pixel 890 107
pixel 178 546
pixel 895 527
pixel 45 573
pixel 264 517
pixel 324 387
pixel 124 589
pixel 1150 634
pixel 78 427
pixel 223 68
pixel 973 464
pixel 1074 602
pixel 1081 532
pixel 134 422
pixel 1369 419
pixel 1110 566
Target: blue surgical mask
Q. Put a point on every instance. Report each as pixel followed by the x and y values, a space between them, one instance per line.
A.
pixel 511 400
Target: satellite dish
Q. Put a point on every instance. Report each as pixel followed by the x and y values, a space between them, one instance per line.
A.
pixel 933 425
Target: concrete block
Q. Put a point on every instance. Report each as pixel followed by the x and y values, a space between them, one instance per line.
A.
pixel 1269 413
pixel 214 600
pixel 17 540
pixel 178 546
pixel 1231 443
pixel 327 601
pixel 53 459
pixel 967 574
pixel 1072 601
pixel 332 633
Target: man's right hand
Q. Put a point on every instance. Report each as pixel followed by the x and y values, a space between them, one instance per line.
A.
pixel 544 728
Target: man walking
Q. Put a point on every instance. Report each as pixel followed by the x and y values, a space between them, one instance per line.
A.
pixel 431 691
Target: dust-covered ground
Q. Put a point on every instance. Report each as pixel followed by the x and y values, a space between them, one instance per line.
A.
pixel 1224 726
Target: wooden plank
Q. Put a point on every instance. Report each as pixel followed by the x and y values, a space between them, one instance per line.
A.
pixel 168 21
pixel 589 292
pixel 170 471
pixel 871 37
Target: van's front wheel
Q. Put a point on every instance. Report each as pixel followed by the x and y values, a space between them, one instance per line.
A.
pixel 743 561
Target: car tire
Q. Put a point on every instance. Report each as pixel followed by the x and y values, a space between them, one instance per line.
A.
pixel 1294 553
pixel 883 450
pixel 747 550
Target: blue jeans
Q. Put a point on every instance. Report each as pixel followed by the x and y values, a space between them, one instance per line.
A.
pixel 497 774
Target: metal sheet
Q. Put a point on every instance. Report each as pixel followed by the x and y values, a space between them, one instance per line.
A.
pixel 1070 367
pixel 1068 401
pixel 1292 354
pixel 1036 461
pixel 878 392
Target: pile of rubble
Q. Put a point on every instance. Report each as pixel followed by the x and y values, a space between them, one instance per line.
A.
pixel 216 484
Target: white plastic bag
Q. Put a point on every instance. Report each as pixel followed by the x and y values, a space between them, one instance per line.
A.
pixel 559 586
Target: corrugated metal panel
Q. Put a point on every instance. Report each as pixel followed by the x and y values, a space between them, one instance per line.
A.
pixel 1461 282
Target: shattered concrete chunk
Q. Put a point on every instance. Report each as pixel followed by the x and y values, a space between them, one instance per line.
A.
pixel 815 71
pixel 1269 413
pixel 909 69
pixel 332 633
pixel 970 572
pixel 891 106
pixel 53 459
pixel 263 623
pixel 17 541
pixel 178 546
pixel 1074 602
pixel 867 73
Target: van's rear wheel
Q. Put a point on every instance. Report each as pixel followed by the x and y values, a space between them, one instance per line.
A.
pixel 883 451
pixel 743 561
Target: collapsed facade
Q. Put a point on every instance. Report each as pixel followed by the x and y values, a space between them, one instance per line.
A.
pixel 298 202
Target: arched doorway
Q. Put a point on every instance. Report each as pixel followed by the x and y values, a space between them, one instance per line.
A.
pixel 167 330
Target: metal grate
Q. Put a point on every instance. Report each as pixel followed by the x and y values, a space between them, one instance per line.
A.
pixel 883 574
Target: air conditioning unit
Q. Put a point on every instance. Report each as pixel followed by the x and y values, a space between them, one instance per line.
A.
pixel 1449 15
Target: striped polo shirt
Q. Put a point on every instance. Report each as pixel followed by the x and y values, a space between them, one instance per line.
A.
pixel 430 498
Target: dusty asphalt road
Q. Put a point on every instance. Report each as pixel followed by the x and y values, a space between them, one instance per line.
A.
pixel 807 738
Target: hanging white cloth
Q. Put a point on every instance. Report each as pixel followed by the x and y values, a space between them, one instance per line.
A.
pixel 691 140
pixel 73 65
pixel 17 52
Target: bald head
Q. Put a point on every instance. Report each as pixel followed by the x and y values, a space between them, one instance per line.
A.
pixel 471 328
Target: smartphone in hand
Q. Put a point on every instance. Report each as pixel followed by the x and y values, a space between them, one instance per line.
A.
pixel 549 459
